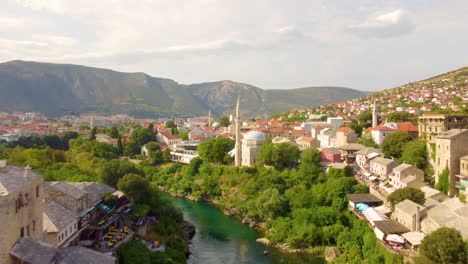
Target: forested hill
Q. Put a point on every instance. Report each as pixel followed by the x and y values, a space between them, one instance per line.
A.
pixel 56 89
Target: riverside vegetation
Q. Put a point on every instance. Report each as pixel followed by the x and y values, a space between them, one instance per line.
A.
pixel 77 159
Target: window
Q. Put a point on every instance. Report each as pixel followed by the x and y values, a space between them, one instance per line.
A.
pixel 34 225
pixel 27 230
pixel 66 233
pixel 22 232
pixel 37 191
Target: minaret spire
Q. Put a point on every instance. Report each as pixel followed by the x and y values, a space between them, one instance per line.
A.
pixel 374 115
pixel 209 117
pixel 238 155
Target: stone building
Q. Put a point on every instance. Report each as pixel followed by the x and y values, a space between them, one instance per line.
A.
pixel 462 183
pixel 345 135
pixel 408 213
pixel 66 194
pixel 307 142
pixel 382 166
pixel 251 144
pixel 450 146
pixel 60 224
pixel 432 125
pixel 406 174
pixel 20 207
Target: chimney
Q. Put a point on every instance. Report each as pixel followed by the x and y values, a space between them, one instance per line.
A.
pixel 418 219
pixel 27 171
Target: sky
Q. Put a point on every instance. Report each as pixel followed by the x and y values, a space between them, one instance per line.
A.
pixel 273 44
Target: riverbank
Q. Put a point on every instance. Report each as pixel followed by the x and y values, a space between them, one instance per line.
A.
pixel 259 227
pixel 224 239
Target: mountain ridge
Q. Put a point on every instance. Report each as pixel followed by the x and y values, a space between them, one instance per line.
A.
pixel 55 89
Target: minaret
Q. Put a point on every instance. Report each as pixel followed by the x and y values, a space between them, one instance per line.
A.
pixel 209 117
pixel 374 115
pixel 91 122
pixel 238 157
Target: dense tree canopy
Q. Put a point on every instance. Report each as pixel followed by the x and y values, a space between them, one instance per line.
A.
pixel 365 117
pixel 394 143
pixel 224 121
pixel 114 133
pixel 135 187
pixel 415 153
pixel 400 117
pixel 409 193
pixel 281 155
pixel 142 136
pixel 444 246
pixel 215 149
pixel 116 169
pixel 367 141
pixel 443 184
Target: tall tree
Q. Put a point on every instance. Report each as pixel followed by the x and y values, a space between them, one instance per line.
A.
pixel 409 193
pixel 443 184
pixel 224 121
pixel 120 147
pixel 444 246
pixel 215 149
pixel 53 141
pixel 136 187
pixel 394 143
pixel 142 136
pixel 415 153
pixel 93 133
pixel 114 133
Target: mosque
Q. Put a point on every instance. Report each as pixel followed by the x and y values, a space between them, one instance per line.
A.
pixel 246 149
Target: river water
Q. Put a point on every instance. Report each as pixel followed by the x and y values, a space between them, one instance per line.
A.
pixel 222 239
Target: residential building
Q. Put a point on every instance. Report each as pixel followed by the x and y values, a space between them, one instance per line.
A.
pixel 60 224
pixel 409 213
pixel 380 132
pixel 365 155
pixel 432 125
pixel 382 166
pixel 21 198
pixel 332 155
pixel 348 151
pixel 406 175
pixel 167 138
pixel 307 142
pixel 450 147
pixel 345 135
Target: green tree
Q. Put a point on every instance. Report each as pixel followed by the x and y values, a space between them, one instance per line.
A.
pixel 367 141
pixel 365 117
pixel 215 149
pixel 443 184
pixel 170 124
pixel 224 121
pixel 115 169
pixel 104 150
pixel 92 136
pixel 53 141
pixel 444 246
pixel 120 147
pixel 142 136
pixel 415 153
pixel 114 133
pixel 67 137
pixel 409 193
pixel 394 143
pixel 166 155
pixel 311 157
pixel 269 204
pixel 131 149
pixel 184 135
pixel 400 117
pixel 268 154
pixel 136 187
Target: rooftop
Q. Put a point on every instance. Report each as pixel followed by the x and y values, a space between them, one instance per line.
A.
pixel 383 161
pixel 391 227
pixel 363 198
pixel 13 178
pixel 66 188
pixel 56 217
pixel 451 133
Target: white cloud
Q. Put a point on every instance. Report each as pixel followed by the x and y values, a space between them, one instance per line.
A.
pixel 385 25
pixel 11 22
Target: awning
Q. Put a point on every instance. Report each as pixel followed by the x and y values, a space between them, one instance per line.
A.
pixel 372 178
pixel 367 174
pixel 395 238
pixel 372 215
pixel 414 238
pixel 103 206
pixel 113 219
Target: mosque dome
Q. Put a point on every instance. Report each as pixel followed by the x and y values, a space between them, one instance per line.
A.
pixel 254 135
pixel 216 124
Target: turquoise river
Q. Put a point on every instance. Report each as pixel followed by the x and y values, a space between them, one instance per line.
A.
pixel 222 239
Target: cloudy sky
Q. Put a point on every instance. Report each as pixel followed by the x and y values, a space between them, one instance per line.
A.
pixel 362 44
